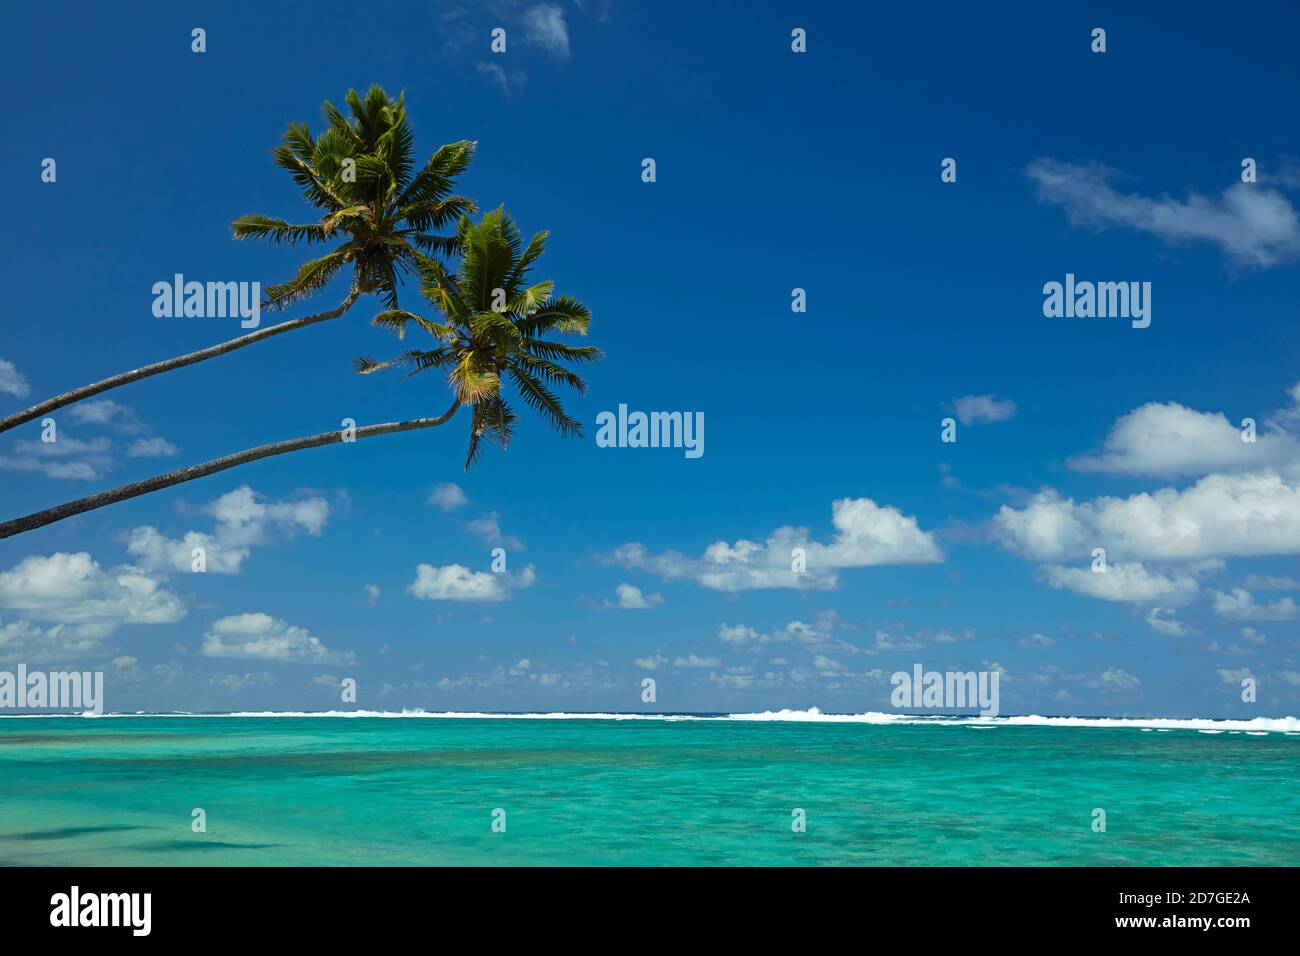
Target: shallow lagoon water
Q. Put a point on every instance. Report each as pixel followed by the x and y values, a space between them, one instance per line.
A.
pixel 376 791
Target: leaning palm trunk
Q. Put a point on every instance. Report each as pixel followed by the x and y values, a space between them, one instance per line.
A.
pixel 158 482
pixel 212 351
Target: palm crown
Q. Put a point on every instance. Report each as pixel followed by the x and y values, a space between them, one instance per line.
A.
pixel 386 212
pixel 496 327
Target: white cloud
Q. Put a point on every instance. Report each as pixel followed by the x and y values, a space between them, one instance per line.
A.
pixel 66 458
pixel 455 582
pixel 810 637
pixel 458 32
pixel 1220 516
pixel 1115 679
pixel 237 682
pixel 1037 640
pixel 1162 620
pixel 249 518
pixel 105 411
pixel 732 681
pixel 1240 605
pixel 866 535
pixel 448 496
pixel 1264 582
pixel 1130 583
pixel 544 26
pixel 154 447
pixel 12 381
pixel 505 82
pixel 694 660
pixel 22 641
pixel 74 591
pixel 888 643
pixel 1166 440
pixel 261 637
pixel 651 662
pixel 488 530
pixel 983 409
pixel 78 459
pixel 1253 224
pixel 630 598
pixel 372 594
pixel 741 635
pixel 243 521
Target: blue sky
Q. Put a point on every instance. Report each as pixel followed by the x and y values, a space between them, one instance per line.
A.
pixel 775 171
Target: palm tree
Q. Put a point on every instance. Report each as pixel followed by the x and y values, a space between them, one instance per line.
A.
pixel 477 346
pixel 495 329
pixel 359 173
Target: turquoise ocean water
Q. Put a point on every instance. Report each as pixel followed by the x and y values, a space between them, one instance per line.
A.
pixel 385 791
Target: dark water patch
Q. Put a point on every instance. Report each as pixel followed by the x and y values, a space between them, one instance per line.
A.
pixel 165 846
pixel 352 762
pixel 66 833
pixel 58 738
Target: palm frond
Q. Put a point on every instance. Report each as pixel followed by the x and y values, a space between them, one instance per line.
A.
pixel 562 352
pixel 552 373
pixel 565 314
pixel 492 420
pixel 312 276
pixel 277 231
pixel 434 181
pixel 545 402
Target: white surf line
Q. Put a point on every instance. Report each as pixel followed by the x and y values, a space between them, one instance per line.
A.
pixel 1255 726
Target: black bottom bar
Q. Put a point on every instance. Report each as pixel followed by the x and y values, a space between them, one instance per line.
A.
pixel 298 906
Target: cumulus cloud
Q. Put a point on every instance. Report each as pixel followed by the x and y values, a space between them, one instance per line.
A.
pixel 983 409
pixel 1168 440
pixel 21 641
pixel 630 598
pixel 105 411
pixel 1220 516
pixel 1037 640
pixel 1115 679
pixel 817 637
pixel 694 660
pixel 243 521
pixel 65 459
pixel 1267 582
pixel 732 680
pixel 238 682
pixel 1229 676
pixel 1240 605
pixel 742 635
pixel 154 447
pixel 866 535
pixel 1252 224
pixel 488 530
pixel 455 582
pixel 12 381
pixel 1131 583
pixel 73 591
pixel 259 636
pixel 885 642
pixel 80 459
pixel 448 496
pixel 1162 620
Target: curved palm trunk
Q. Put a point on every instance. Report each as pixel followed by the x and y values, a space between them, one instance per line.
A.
pixel 125 378
pixel 180 475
